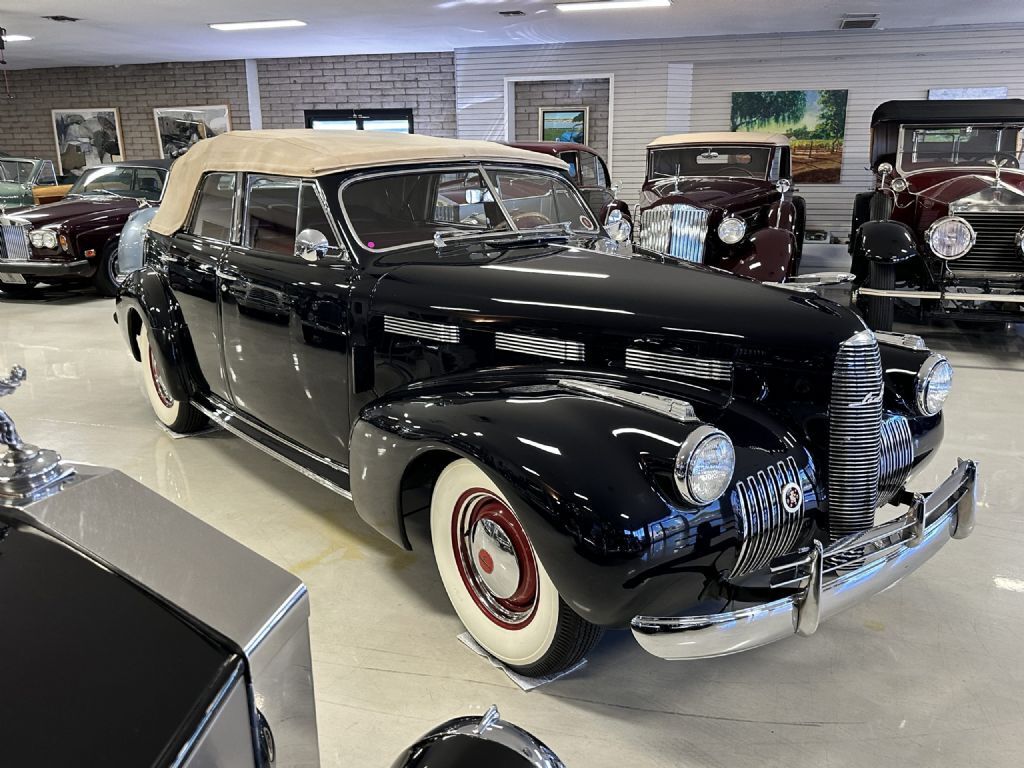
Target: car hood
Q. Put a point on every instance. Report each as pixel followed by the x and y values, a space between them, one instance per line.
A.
pixel 575 293
pixel 722 193
pixel 946 189
pixel 77 210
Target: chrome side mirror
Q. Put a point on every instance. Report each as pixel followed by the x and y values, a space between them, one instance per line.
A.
pixel 618 228
pixel 784 185
pixel 615 189
pixel 885 169
pixel 311 245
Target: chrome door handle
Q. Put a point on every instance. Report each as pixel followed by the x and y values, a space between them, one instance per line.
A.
pixel 227 275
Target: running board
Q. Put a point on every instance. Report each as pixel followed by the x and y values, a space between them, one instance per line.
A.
pixel 224 418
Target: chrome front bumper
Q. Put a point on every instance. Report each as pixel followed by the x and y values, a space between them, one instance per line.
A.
pixel 826 580
pixel 1012 298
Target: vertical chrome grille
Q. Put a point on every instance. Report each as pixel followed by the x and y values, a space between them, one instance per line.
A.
pixel 768 528
pixel 675 230
pixel 14 245
pixel 855 425
pixel 897 457
pixel 995 249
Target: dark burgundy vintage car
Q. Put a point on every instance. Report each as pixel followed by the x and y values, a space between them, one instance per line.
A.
pixel 943 232
pixel 725 200
pixel 594 438
pixel 588 171
pixel 76 238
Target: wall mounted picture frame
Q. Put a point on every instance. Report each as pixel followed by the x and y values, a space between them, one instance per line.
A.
pixel 86 138
pixel 814 121
pixel 563 124
pixel 178 128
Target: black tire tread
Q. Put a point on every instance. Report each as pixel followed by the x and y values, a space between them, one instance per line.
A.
pixel 575 637
pixel 881 207
pixel 190 419
pixel 101 281
pixel 880 309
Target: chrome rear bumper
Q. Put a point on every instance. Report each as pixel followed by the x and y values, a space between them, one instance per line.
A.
pixel 827 582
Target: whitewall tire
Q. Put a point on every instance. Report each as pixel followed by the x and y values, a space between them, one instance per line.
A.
pixel 176 415
pixel 495 580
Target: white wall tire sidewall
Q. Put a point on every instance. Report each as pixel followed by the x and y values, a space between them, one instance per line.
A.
pixel 167 416
pixel 518 647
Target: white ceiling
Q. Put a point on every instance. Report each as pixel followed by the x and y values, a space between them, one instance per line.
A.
pixel 137 31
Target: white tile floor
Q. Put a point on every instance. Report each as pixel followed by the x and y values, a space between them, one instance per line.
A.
pixel 929 673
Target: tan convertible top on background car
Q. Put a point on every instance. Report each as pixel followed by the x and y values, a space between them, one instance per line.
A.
pixel 308 153
pixel 722 137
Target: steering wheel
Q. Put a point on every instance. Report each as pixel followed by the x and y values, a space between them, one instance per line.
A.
pixel 736 168
pixel 530 219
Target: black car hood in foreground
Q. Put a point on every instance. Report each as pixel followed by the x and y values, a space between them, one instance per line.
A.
pixel 561 291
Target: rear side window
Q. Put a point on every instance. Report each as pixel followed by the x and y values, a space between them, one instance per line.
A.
pixel 592 172
pixel 312 214
pixel 46 175
pixel 272 210
pixel 213 211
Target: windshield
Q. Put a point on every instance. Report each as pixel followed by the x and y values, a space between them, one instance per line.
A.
pixel 16 170
pixel 121 181
pixel 399 210
pixel 954 146
pixel 703 161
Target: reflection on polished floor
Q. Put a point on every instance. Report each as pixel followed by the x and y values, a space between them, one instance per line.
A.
pixel 927 674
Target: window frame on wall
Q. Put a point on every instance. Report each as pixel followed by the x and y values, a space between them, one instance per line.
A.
pixel 359 116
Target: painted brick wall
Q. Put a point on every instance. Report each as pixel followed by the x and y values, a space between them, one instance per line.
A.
pixel 531 95
pixel 25 121
pixel 422 82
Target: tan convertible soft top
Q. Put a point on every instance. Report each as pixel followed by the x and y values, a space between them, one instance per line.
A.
pixel 722 137
pixel 307 153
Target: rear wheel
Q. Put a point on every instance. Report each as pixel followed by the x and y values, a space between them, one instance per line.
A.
pixel 177 415
pixel 881 308
pixel 495 580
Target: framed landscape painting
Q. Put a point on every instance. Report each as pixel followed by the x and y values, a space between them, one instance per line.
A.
pixel 178 128
pixel 563 124
pixel 814 121
pixel 86 138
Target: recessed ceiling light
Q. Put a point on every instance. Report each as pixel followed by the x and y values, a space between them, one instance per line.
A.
pixel 611 5
pixel 237 26
pixel 16 38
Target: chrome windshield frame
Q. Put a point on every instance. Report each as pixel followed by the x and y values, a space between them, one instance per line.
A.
pixel 772 154
pixel 908 172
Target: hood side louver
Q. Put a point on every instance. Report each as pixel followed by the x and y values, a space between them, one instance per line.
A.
pixel 540 346
pixel 678 365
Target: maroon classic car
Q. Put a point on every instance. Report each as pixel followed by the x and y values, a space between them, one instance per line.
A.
pixel 587 170
pixel 943 232
pixel 76 238
pixel 725 200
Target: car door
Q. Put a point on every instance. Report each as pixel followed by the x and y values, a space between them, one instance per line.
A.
pixel 44 186
pixel 191 263
pixel 594 182
pixel 286 345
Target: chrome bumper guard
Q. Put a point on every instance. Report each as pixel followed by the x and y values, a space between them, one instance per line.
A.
pixel 1012 298
pixel 828 579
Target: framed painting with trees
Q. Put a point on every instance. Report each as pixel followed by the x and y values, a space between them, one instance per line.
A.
pixel 814 121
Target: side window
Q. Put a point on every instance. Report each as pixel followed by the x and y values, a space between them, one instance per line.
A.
pixel 149 183
pixel 272 209
pixel 47 177
pixel 312 214
pixel 574 165
pixel 592 173
pixel 212 218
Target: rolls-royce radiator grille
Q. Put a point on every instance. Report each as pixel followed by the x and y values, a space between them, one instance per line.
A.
pixel 855 430
pixel 679 365
pixel 996 248
pixel 768 528
pixel 675 230
pixel 897 457
pixel 14 245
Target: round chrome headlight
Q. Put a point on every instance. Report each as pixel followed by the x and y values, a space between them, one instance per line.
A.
pixel 899 185
pixel 704 465
pixel 618 228
pixel 43 238
pixel 950 237
pixel 732 230
pixel 934 381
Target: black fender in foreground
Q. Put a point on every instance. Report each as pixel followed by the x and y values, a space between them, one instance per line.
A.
pixel 145 297
pixel 888 242
pixel 590 479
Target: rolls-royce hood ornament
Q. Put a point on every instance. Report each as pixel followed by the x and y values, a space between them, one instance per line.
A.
pixel 25 470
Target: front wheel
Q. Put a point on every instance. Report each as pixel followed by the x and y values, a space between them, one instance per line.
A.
pixel 177 415
pixel 107 278
pixel 495 580
pixel 881 308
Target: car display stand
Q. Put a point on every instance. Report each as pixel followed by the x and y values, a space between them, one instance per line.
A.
pixel 526 684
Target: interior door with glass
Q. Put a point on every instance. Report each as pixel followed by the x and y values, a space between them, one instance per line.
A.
pixel 284 315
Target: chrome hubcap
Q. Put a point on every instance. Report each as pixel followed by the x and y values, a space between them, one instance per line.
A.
pixel 494 559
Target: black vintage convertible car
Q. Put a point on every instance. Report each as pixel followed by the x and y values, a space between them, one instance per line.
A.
pixel 439 327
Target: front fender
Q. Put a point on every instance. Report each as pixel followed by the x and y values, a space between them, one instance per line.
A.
pixel 146 296
pixel 769 256
pixel 590 478
pixel 889 242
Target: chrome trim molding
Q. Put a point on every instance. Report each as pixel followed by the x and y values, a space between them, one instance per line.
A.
pixel 893 550
pixel 666 362
pixel 541 346
pixel 680 410
pixel 906 340
pixel 897 457
pixel 422 329
pixel 768 528
pixel 223 418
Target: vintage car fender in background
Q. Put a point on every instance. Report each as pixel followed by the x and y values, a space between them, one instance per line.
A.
pixel 135 645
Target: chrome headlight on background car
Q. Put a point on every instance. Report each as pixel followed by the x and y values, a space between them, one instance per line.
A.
pixel 705 465
pixel 934 381
pixel 950 237
pixel 43 238
pixel 619 229
pixel 732 230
